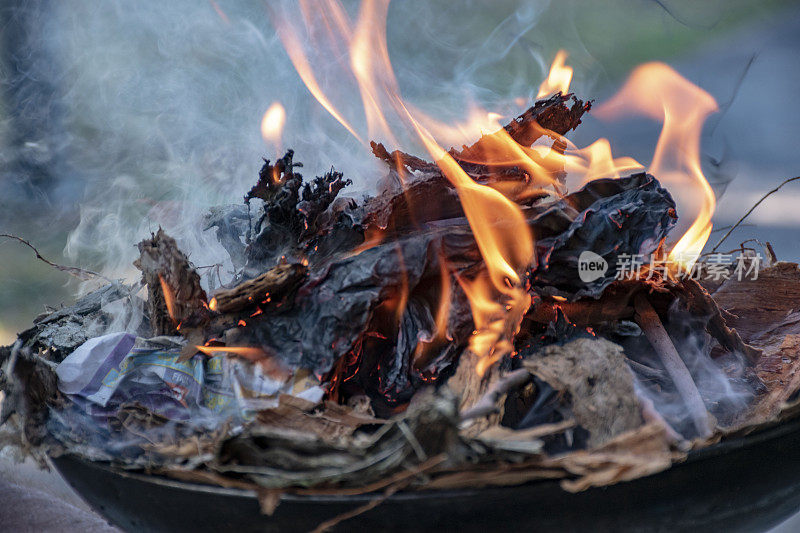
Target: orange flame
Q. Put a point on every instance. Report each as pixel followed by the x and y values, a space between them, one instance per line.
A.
pixel 596 162
pixel 244 351
pixel 293 46
pixel 369 59
pixel 499 297
pixel 169 298
pixel 559 77
pixel 440 333
pixel 506 245
pixel 443 311
pixel 272 125
pixel 657 91
pixel 479 122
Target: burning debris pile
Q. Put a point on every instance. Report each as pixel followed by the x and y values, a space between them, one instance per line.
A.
pixel 350 353
pixel 473 323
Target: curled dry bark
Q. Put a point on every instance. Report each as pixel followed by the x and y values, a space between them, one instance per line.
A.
pixel 599 383
pixel 175 296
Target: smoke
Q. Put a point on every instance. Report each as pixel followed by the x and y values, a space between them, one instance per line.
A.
pixel 722 381
pixel 146 114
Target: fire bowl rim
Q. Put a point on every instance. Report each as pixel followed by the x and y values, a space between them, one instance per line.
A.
pixel 765 433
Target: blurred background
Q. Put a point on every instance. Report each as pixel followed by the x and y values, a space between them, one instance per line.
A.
pixel 117 117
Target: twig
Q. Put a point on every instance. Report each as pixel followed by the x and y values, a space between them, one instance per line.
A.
pixel 773 191
pixel 377 485
pixel 487 404
pixel 80 273
pixel 644 370
pixel 399 484
pixel 650 414
pixel 415 445
pixel 336 520
pixel 654 331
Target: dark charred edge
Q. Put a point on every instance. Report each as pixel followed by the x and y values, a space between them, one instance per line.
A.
pixel 552 114
pixel 545 117
pixel 272 177
pixel 297 218
pixel 276 284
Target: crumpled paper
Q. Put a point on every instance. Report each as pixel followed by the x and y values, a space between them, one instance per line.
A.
pixel 117 369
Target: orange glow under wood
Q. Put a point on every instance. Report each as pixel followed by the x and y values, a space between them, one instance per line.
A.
pixel 169 298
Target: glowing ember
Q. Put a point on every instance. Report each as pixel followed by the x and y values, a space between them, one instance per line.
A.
pixel 242 351
pixel 169 298
pixel 499 298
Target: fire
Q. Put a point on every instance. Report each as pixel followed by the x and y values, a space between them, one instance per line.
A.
pixel 596 162
pixel 506 245
pixel 169 298
pixel 479 122
pixel 559 77
pixel 440 333
pixel 293 46
pixel 272 124
pixel 369 60
pixel 270 365
pixel 242 351
pixel 496 321
pixel 500 297
pixel 443 311
pixel 657 91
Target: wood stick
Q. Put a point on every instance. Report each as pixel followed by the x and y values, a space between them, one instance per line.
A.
pixel 738 222
pixel 175 296
pixel 273 284
pixel 487 404
pixel 651 325
pixel 80 273
pixel 650 414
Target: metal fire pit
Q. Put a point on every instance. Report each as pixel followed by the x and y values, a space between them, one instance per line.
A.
pixel 744 484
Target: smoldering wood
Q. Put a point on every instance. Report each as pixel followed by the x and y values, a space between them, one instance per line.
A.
pixel 551 117
pixel 651 325
pixel 292 216
pixel 165 267
pixel 361 310
pixel 344 292
pixel 275 284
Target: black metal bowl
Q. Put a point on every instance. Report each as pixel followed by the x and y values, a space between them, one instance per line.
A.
pixel 748 483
